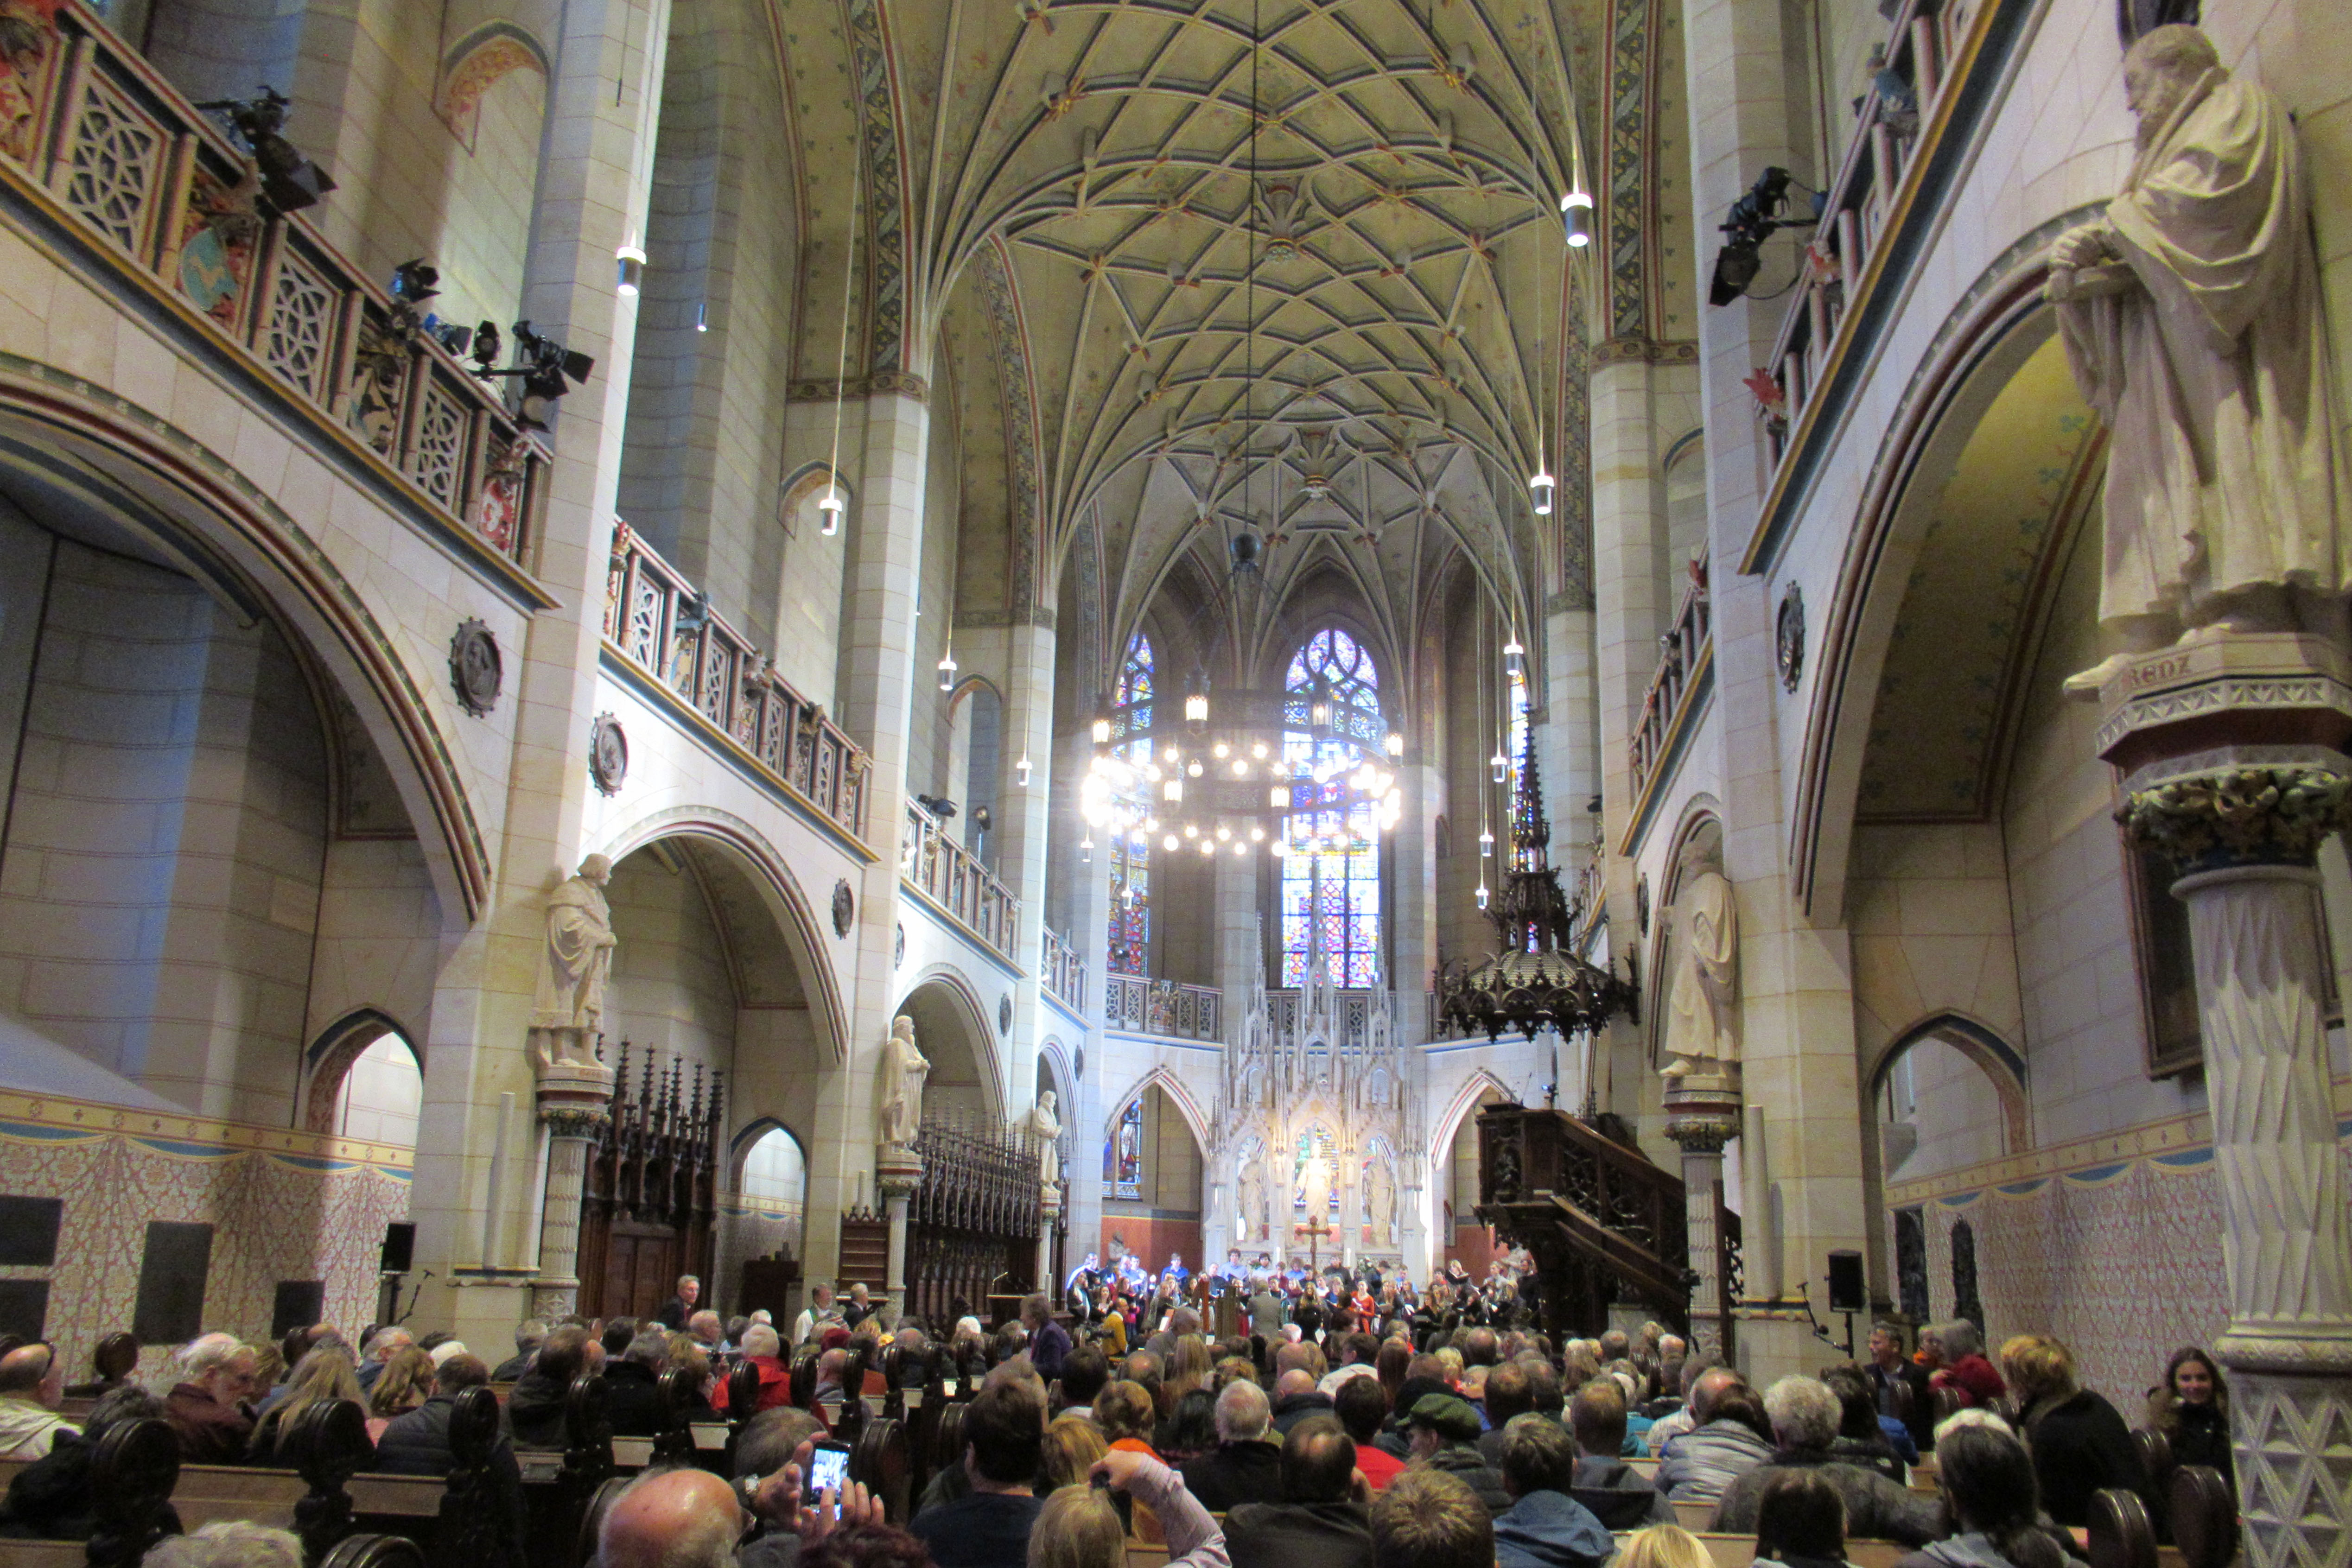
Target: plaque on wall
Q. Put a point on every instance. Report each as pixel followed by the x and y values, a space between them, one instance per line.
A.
pixel 608 755
pixel 477 671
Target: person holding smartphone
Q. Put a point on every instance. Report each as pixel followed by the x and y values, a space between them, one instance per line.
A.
pixel 1004 1437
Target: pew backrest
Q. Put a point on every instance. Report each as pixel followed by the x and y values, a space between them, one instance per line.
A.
pixel 2204 1515
pixel 2122 1535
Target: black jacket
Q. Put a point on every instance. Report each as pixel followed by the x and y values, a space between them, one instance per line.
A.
pixel 1291 1409
pixel 1300 1535
pixel 535 1411
pixel 1465 1461
pixel 49 1500
pixel 1234 1474
pixel 2199 1435
pixel 1876 1509
pixel 2080 1446
pixel 513 1367
pixel 1618 1495
pixel 417 1444
pixel 633 1400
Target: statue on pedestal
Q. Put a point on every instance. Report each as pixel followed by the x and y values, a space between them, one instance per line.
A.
pixel 1702 1005
pixel 1042 1123
pixel 2192 322
pixel 1252 1201
pixel 568 1012
pixel 904 1068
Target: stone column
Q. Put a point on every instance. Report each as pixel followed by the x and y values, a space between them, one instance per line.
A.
pixel 1701 1119
pixel 2242 822
pixel 574 1105
pixel 1089 933
pixel 898 1173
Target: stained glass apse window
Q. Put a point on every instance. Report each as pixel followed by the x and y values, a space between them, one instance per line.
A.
pixel 1131 854
pixel 1123 1153
pixel 1328 844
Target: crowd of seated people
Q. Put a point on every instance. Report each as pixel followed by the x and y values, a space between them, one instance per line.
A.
pixel 1480 1447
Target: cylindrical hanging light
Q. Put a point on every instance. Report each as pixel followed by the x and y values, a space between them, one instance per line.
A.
pixel 1481 893
pixel 947 671
pixel 1539 489
pixel 829 507
pixel 1396 742
pixel 1575 217
pixel 1196 708
pixel 1021 772
pixel 1486 844
pixel 1086 850
pixel 1502 767
pixel 1102 728
pixel 1514 660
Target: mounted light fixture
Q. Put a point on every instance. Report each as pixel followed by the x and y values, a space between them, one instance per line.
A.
pixel 830 507
pixel 1514 660
pixel 1021 772
pixel 947 672
pixel 1102 728
pixel 1502 767
pixel 1575 217
pixel 1196 708
pixel 1539 489
pixel 1481 893
pixel 1278 798
pixel 632 270
pixel 1486 845
pixel 1396 742
pixel 1086 850
pixel 1172 791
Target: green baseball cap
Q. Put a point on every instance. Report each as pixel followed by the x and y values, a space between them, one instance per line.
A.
pixel 1447 1415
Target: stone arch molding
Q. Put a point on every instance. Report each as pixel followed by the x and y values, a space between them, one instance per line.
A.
pixel 809 939
pixel 1195 1120
pixel 1997 1059
pixel 977 1016
pixel 341 1043
pixel 1464 1100
pixel 476 63
pixel 740 1146
pixel 223 531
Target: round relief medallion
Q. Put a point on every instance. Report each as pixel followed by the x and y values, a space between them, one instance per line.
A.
pixel 844 908
pixel 898 954
pixel 1004 1015
pixel 476 672
pixel 1789 641
pixel 608 755
pixel 1078 1064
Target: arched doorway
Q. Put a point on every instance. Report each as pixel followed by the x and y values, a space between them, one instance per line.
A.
pixel 1152 1173
pixel 381 1094
pixel 1464 1240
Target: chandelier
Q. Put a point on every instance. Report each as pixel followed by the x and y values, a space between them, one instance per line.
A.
pixel 1236 786
pixel 1536 980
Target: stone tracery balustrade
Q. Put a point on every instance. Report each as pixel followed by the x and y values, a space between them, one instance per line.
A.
pixel 655 619
pixel 1063 968
pixel 103 146
pixel 1684 668
pixel 1165 1007
pixel 952 876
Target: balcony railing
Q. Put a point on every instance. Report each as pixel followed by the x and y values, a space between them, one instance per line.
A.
pixel 1063 969
pixel 101 140
pixel 1687 656
pixel 655 619
pixel 1875 215
pixel 1164 1008
pixel 1414 1011
pixel 1591 895
pixel 950 876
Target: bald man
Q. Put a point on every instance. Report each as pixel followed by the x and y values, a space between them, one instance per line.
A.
pixel 672 1518
pixel 32 1383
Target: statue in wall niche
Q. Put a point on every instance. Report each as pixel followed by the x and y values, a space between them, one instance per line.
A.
pixel 567 1015
pixel 1253 1200
pixel 1043 1125
pixel 1384 1202
pixel 1702 1016
pixel 2192 317
pixel 904 1068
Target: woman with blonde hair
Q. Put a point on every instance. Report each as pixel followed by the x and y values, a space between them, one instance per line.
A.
pixel 406 1384
pixel 2080 1444
pixel 1078 1527
pixel 318 1378
pixel 1663 1546
pixel 1073 1444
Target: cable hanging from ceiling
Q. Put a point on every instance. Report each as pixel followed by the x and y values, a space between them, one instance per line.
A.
pixel 831 504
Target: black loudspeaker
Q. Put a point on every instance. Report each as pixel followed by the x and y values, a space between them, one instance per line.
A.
pixel 399 1247
pixel 1846 1293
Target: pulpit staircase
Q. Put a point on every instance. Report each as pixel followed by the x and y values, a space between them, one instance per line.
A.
pixel 1602 1223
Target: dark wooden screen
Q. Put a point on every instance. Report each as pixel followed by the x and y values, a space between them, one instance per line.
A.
pixel 652 1192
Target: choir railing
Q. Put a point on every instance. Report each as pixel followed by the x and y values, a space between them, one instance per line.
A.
pixel 1687 657
pixel 94 137
pixel 655 619
pixel 952 876
pixel 1166 1007
pixel 1063 968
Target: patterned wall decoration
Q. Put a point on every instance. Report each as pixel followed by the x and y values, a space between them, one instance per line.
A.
pixel 1632 25
pixel 283 1205
pixel 886 205
pixel 2114 1244
pixel 1019 391
pixel 1574 407
pixel 475 64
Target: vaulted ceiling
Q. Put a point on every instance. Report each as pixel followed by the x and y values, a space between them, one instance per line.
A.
pixel 1289 265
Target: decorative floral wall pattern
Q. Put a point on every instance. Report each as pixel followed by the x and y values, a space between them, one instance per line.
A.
pixel 283 1205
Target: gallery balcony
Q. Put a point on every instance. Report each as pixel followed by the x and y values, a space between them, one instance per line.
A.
pixel 952 879
pixel 1063 971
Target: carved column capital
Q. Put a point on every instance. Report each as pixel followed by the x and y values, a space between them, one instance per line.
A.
pixel 1702 1115
pixel 2237 814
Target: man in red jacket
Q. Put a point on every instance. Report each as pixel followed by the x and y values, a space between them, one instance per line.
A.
pixel 1964 1367
pixel 205 1409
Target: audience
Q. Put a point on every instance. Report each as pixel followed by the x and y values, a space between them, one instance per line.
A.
pixel 1078 1527
pixel 1545 1527
pixel 1442 1431
pixel 1191 1429
pixel 1800 1521
pixel 1431 1518
pixel 32 1386
pixel 1318 1517
pixel 1864 1437
pixel 1004 1433
pixel 1890 1369
pixel 417 1443
pixel 1506 1393
pixel 1957 1351
pixel 535 1408
pixel 672 1518
pixel 50 1499
pixel 380 1347
pixel 763 1351
pixel 1073 1444
pixel 1361 1406
pixel 406 1380
pixel 2192 1410
pixel 1673 1425
pixel 1244 1467
pixel 1731 1437
pixel 632 1398
pixel 1805 1415
pixel 227 1543
pixel 205 1408
pixel 1049 1342
pixel 527 1335
pixel 323 1374
pixel 1084 1371
pixel 2078 1440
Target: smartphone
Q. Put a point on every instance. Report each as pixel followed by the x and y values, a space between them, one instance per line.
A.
pixel 828 1467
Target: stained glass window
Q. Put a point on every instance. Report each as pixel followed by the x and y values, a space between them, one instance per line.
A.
pixel 1130 852
pixel 1515 747
pixel 1328 846
pixel 1123 1154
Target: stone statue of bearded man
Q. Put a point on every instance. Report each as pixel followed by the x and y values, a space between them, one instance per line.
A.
pixel 2192 322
